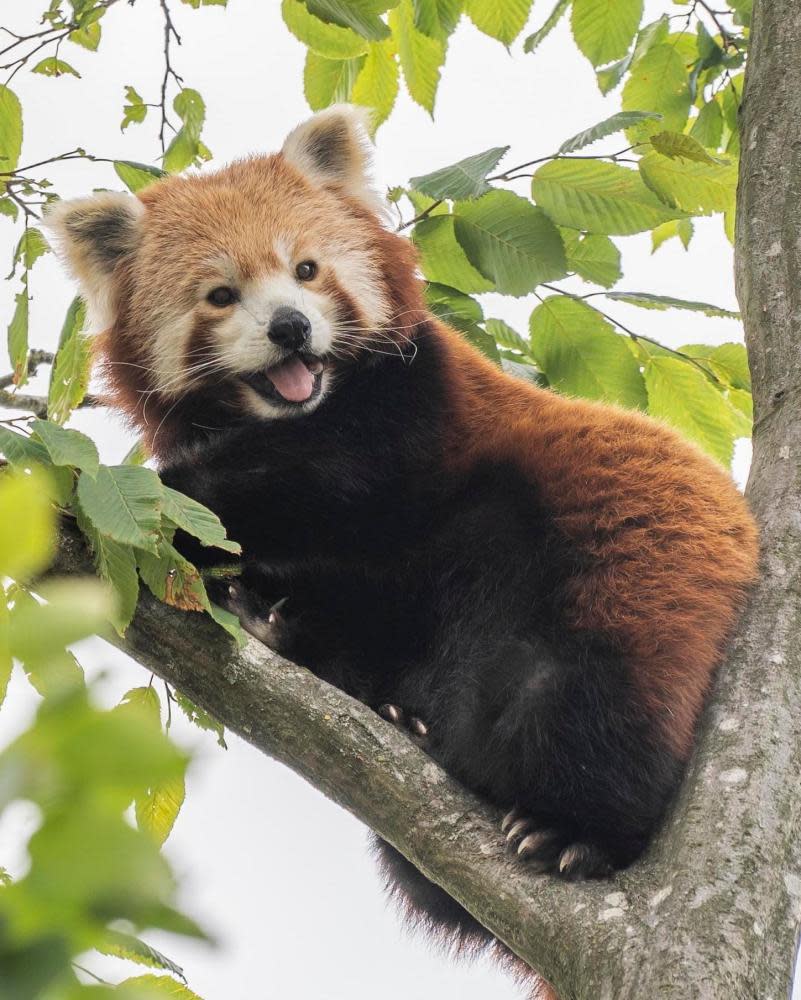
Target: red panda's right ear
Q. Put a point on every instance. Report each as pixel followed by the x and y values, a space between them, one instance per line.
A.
pixel 92 236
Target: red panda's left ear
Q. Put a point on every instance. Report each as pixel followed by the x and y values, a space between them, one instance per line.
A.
pixel 92 235
pixel 332 149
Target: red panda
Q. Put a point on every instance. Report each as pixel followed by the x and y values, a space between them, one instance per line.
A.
pixel 539 587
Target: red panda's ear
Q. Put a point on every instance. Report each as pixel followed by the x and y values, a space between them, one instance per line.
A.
pixel 93 235
pixel 333 149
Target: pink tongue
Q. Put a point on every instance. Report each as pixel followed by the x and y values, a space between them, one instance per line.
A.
pixel 292 379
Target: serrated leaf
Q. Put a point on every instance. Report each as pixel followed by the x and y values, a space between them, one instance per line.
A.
pixel 186 149
pixel 696 188
pixel 598 197
pixel 510 241
pixel 200 718
pixel 593 258
pixel 437 18
pixel 421 56
pixel 465 179
pixel 88 37
pixel 501 19
pixel 680 146
pixel 360 15
pixel 136 176
pixel 9 208
pixel 172 578
pixel 658 82
pixel 10 130
pixel 137 454
pixel 682 229
pixel 18 449
pixel 505 336
pixel 329 81
pixel 609 126
pixel 155 987
pixel 124 502
pixel 115 563
pixel 135 110
pixel 197 520
pixel 442 259
pixel 325 38
pixel 68 447
pixel 604 29
pixel 18 337
pixel 126 946
pixel 707 128
pixel 646 300
pixel 376 85
pixel 55 67
pixel 581 355
pixel 453 306
pixel 69 378
pixel 32 245
pixel 534 40
pixel 729 362
pixel 681 395
pixel 157 810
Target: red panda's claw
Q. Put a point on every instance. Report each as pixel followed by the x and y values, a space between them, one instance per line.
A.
pixel 411 723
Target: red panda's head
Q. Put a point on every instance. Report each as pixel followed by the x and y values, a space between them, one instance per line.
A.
pixel 258 282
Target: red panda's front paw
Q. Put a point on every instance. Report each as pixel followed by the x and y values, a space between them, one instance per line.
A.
pixel 411 723
pixel 550 851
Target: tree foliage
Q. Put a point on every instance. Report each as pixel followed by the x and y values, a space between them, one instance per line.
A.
pixel 668 155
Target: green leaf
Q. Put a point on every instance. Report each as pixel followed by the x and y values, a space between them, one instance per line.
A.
pixel 9 208
pixel 707 128
pixel 360 15
pixel 506 337
pixel 27 521
pixel 135 109
pixel 682 229
pixel 329 81
pixel 17 449
pixel 533 42
pixel 137 454
pixel 593 258
pixel 420 56
pixel 582 355
pixel 74 609
pixel 442 259
pixel 200 718
pixel 677 145
pixel 437 18
pixel 157 810
pixel 728 362
pixel 87 37
pixel 609 126
pixel 10 130
pixel 18 337
pixel 501 19
pixel 172 578
pixel 325 38
pixel 6 664
pixel 604 29
pixel 186 148
pixel 598 197
pixel 155 987
pixel 136 176
pixel 681 395
pixel 115 563
pixel 376 85
pixel 197 520
pixel 120 945
pixel 69 378
pixel 648 301
pixel 510 241
pixel 452 306
pixel 124 502
pixel 55 67
pixel 696 188
pixel 462 180
pixel 68 447
pixel 31 247
pixel 658 82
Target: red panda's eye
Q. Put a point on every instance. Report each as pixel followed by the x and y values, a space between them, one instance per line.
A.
pixel 306 270
pixel 222 296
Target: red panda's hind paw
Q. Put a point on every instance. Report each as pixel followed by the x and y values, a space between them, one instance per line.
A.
pixel 410 723
pixel 547 850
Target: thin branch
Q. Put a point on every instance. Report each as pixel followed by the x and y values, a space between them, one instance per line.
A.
pixel 726 36
pixel 169 32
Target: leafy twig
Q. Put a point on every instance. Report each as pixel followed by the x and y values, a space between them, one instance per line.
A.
pixel 169 32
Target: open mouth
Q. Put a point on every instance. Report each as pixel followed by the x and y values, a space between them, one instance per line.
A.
pixel 294 381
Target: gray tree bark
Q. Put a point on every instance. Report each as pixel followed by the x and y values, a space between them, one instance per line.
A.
pixel 713 911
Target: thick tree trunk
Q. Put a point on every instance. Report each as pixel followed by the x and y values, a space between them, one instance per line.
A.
pixel 713 911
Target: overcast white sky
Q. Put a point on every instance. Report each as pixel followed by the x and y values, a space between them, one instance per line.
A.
pixel 278 874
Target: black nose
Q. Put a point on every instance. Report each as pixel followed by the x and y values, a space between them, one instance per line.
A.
pixel 289 328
